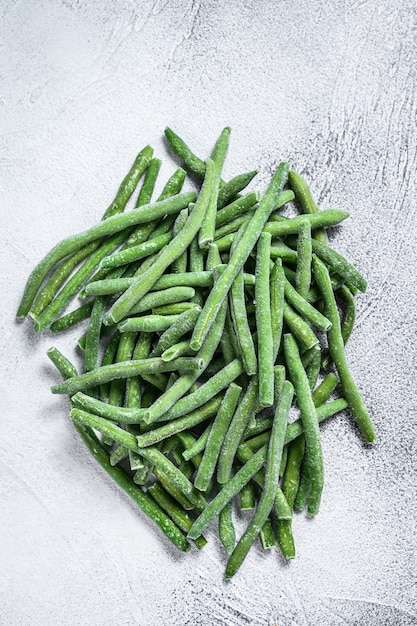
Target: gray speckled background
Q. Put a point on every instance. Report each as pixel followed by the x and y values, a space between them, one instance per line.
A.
pixel 331 86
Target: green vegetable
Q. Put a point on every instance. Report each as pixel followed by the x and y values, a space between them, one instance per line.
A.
pixel 275 447
pixel 209 321
pixel 263 322
pixel 240 254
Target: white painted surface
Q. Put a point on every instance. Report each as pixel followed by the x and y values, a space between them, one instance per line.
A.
pixel 330 86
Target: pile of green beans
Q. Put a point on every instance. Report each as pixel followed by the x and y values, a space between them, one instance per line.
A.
pixel 215 323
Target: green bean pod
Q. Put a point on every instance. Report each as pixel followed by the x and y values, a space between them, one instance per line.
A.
pixel 336 348
pixel 309 418
pixel 236 262
pixel 111 225
pixel 267 497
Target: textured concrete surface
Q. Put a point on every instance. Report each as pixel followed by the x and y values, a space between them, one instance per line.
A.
pixel 331 86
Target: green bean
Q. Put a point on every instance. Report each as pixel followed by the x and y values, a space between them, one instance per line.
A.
pixel 216 436
pixel 339 264
pixel 148 186
pixel 63 365
pixel 111 225
pixel 228 342
pixel 57 279
pixel 259 426
pixel 118 454
pixel 313 368
pixel 303 195
pixel 241 325
pixel 141 475
pixel 129 183
pixel 74 317
pixel 107 428
pixel 199 444
pixel 303 488
pixel 188 440
pixel 303 269
pixel 171 252
pixel 179 266
pixel 124 353
pixel 174 309
pixel 235 431
pixel 218 156
pixel 348 320
pixel 323 412
pixel 267 497
pixel 54 283
pixel 134 253
pixel 336 348
pixel 263 322
pixel 174 184
pixel 170 407
pixel 108 358
pixel 306 310
pixel 290 226
pixel 224 243
pixel 147 323
pixel 191 279
pixel 151 437
pixel 236 208
pixel 178 515
pixel 350 313
pixel 309 419
pixel 186 381
pixel 281 250
pixel 283 462
pixel 203 394
pixel 125 370
pixel 144 502
pixel 192 163
pixel 227 531
pixel 300 329
pixel 322 393
pixel 91 355
pixel 154 456
pixel 233 226
pixel 196 264
pixel 282 509
pixel 228 491
pixel 133 398
pixel 241 253
pixel 247 497
pixel 178 349
pixel 105 330
pixel 142 232
pixel 163 297
pixel 240 319
pixel 172 489
pixel 309 355
pixel 176 457
pixel 277 306
pixel 213 259
pixel 290 483
pixel 183 325
pixel 233 187
pixel 72 287
pixel 267 535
